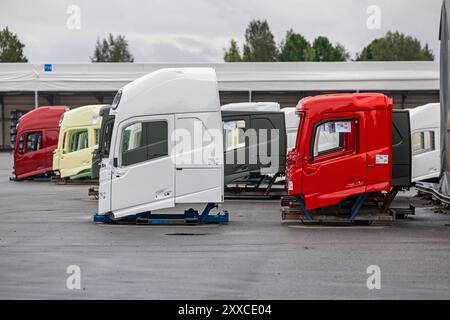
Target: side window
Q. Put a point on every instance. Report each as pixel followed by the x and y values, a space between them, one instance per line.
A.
pixel 34 142
pixel 264 124
pixel 78 140
pixel 157 139
pixel 20 145
pixel 144 141
pixel 333 137
pixel 423 142
pixel 234 134
pixel 96 131
pixel 106 138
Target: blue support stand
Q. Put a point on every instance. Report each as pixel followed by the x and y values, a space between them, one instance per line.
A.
pixel 354 211
pixel 302 206
pixel 190 216
pixel 358 205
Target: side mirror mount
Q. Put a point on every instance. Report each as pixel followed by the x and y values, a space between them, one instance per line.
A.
pixel 115 163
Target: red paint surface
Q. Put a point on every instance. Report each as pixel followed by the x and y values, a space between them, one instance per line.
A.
pixel 46 121
pixel 327 179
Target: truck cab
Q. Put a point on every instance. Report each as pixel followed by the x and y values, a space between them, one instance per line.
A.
pixel 255 129
pixel 348 145
pixel 426 140
pixel 78 138
pixel 37 138
pixel 166 145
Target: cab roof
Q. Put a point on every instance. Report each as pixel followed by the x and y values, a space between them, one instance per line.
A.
pixel 252 106
pixel 169 91
pixel 82 116
pixel 41 118
pixel 341 102
pixel 426 116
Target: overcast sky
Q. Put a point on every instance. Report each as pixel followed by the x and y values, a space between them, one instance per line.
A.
pixel 199 30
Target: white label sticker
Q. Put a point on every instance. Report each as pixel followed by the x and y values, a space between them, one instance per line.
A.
pixel 343 126
pixel 382 159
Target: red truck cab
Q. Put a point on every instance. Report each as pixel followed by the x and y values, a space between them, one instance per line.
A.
pixel 37 138
pixel 343 148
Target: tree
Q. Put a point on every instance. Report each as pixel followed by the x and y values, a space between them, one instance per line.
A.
pixel 233 53
pixel 112 49
pixel 395 46
pixel 340 53
pixel 325 51
pixel 295 47
pixel 259 43
pixel 11 49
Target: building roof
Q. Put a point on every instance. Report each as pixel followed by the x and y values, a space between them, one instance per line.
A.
pixel 277 76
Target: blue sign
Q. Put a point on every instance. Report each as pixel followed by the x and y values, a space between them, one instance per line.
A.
pixel 48 67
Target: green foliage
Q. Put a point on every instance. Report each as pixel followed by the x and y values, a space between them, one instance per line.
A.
pixel 325 51
pixel 259 44
pixel 395 46
pixel 11 49
pixel 295 47
pixel 112 49
pixel 340 53
pixel 233 53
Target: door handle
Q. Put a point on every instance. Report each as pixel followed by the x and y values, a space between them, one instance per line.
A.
pixel 311 170
pixel 371 165
pixel 118 173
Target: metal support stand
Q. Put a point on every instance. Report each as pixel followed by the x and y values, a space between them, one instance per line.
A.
pixel 302 206
pixel 190 216
pixel 358 205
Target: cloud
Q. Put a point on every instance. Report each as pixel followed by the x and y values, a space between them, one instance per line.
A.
pixel 198 30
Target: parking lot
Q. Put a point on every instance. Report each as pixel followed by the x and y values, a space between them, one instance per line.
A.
pixel 45 228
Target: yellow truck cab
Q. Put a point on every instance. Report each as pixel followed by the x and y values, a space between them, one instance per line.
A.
pixel 78 138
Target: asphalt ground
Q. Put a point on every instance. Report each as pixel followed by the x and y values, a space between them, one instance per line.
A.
pixel 45 228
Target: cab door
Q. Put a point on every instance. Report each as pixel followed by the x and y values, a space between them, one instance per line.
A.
pixel 143 173
pixel 33 158
pixel 237 145
pixel 271 146
pixel 335 166
pixel 76 155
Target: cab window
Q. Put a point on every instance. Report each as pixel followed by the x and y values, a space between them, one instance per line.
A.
pixel 423 142
pixel 333 138
pixel 105 138
pixel 34 142
pixel 144 141
pixel 78 140
pixel 20 143
pixel 234 134
pixel 96 131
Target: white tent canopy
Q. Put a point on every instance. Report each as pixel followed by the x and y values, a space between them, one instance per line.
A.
pixel 292 76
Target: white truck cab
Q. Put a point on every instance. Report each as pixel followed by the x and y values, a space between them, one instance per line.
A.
pixel 425 138
pixel 166 144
